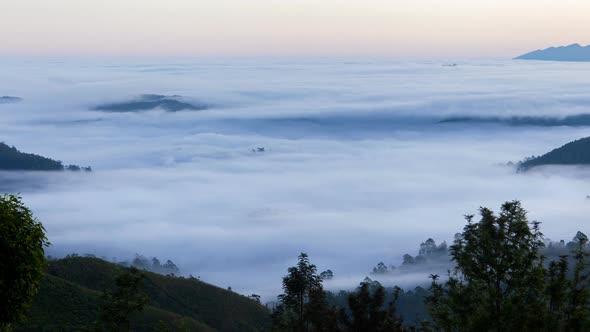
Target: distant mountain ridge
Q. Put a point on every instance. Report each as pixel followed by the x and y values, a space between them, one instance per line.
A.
pixel 573 52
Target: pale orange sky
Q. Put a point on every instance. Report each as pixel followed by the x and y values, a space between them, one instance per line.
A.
pixel 401 28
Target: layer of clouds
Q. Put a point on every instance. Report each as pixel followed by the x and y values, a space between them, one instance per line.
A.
pixel 356 169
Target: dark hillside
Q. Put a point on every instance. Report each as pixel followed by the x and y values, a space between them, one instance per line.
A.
pixel 65 306
pixel 218 308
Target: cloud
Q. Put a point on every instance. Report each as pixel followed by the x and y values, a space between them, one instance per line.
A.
pixel 356 169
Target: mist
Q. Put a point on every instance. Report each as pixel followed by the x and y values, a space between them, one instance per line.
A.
pixel 356 167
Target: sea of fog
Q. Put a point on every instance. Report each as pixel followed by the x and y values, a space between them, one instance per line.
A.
pixel 356 167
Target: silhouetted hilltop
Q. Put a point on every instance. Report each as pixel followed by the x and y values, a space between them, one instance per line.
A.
pixel 149 102
pixel 13 159
pixel 573 153
pixel 573 52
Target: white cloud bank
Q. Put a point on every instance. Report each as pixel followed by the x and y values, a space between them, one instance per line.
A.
pixel 356 170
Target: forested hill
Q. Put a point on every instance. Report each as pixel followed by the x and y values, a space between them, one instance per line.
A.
pixel 13 159
pixel 573 153
pixel 70 293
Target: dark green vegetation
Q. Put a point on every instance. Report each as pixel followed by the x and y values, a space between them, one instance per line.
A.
pixel 304 306
pixel 573 153
pixel 149 102
pixel 71 293
pixel 22 259
pixel 410 307
pixel 9 99
pixel 13 160
pixel 570 120
pixel 505 277
pixel 501 281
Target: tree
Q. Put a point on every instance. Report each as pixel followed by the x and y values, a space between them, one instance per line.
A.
pixel 22 259
pixel 170 267
pixel 327 275
pixel 255 297
pixel 557 291
pixel 381 268
pixel 428 247
pixel 577 313
pixel 140 262
pixel 579 239
pixel 408 260
pixel 118 305
pixel 498 283
pixel 368 312
pixel 303 306
pixel 156 265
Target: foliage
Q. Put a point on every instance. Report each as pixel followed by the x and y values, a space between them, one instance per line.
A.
pixel 22 259
pixel 303 306
pixel 498 283
pixel 368 313
pixel 327 275
pixel 381 268
pixel 501 283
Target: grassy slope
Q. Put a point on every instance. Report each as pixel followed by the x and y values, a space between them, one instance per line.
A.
pixel 65 306
pixel 69 294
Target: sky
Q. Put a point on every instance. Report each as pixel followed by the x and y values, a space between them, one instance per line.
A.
pixel 239 28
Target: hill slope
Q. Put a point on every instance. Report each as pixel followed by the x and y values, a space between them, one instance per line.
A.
pixel 65 306
pixel 68 298
pixel 573 52
pixel 573 153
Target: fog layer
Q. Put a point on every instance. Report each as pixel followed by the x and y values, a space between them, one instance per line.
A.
pixel 356 167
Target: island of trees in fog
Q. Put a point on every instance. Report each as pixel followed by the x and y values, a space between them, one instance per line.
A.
pixel 149 102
